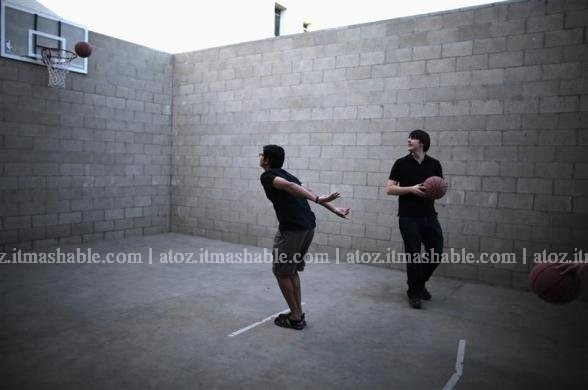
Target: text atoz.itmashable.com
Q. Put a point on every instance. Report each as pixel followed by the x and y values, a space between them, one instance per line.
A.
pixel 246 256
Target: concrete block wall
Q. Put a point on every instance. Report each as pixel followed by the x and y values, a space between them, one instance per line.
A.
pixel 502 89
pixel 91 161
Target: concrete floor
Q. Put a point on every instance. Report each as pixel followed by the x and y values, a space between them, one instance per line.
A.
pixel 143 326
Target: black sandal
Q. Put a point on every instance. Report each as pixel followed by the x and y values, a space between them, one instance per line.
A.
pixel 287 322
pixel 288 314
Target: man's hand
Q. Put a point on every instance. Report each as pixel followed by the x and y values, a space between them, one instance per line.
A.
pixel 418 190
pixel 573 268
pixel 341 211
pixel 328 198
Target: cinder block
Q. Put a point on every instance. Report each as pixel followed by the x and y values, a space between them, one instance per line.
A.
pixel 396 110
pixel 513 231
pixel 372 58
pixel 488 107
pixel 455 79
pixel 517 169
pixel 524 41
pixel 439 94
pixel 526 9
pixel 18 169
pixel 355 178
pixel 489 45
pixel 385 70
pixel 577 18
pixel 367 139
pixel 481 199
pixel 519 137
pixel 279 115
pixel 563 37
pixel 67 218
pixel 541 121
pixel 444 35
pixel 554 170
pixel 425 81
pixel 491 76
pixel 468 183
pixel 344 113
pixel 362 72
pixel 499 184
pixel 472 62
pixel 45 220
pixel 537 153
pixel 545 22
pixel 333 75
pixel 23 222
pixel 93 215
pixel 534 186
pixel 18 142
pixel 496 245
pixel 445 65
pixel 572 70
pixel 426 52
pixel 457 49
pixel 365 192
pixel 369 112
pixel 322 113
pixel 346 61
pixel 410 68
pixel 559 104
pixel 552 55
pixel 500 153
pixel 524 106
pixel 553 203
pixel 399 55
pixel 506 59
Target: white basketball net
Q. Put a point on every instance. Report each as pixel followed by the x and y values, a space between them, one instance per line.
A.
pixel 57 61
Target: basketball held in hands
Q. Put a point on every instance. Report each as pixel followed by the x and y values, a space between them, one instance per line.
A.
pixel 435 187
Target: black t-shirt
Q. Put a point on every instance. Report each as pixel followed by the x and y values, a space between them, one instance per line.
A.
pixel 293 212
pixel 408 172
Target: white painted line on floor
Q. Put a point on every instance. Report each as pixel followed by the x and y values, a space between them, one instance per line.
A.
pixel 458 366
pixel 245 329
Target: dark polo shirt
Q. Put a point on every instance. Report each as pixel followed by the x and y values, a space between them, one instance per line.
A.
pixel 408 172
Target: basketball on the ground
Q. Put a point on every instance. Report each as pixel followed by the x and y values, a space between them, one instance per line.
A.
pixel 83 49
pixel 548 283
pixel 435 187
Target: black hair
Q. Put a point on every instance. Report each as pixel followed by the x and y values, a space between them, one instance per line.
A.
pixel 422 136
pixel 275 155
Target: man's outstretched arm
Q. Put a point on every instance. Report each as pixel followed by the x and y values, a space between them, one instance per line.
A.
pixel 301 192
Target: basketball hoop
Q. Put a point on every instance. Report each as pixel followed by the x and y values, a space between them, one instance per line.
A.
pixel 57 61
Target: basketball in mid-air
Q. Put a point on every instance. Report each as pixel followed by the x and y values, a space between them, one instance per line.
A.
pixel 83 49
pixel 550 285
pixel 435 187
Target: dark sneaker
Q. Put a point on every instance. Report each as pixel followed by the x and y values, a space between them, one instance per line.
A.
pixel 414 302
pixel 426 295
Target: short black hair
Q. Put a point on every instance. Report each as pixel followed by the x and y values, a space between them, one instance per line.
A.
pixel 422 136
pixel 275 154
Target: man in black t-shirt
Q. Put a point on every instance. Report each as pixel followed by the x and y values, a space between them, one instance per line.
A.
pixel 416 214
pixel 296 228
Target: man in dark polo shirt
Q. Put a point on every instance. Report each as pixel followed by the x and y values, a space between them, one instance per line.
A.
pixel 296 228
pixel 416 214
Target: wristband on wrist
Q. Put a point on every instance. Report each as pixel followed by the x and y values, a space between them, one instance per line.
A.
pixel 316 200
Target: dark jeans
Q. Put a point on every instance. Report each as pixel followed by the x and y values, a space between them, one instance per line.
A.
pixel 416 231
